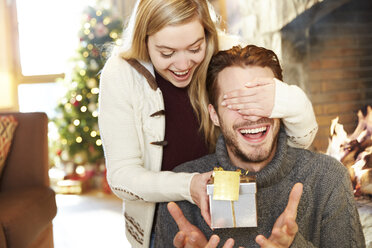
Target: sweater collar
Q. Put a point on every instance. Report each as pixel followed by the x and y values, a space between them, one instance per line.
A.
pixel 272 173
pixel 146 69
pixel 148 66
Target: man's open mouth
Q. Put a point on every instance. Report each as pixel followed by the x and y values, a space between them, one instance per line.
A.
pixel 255 134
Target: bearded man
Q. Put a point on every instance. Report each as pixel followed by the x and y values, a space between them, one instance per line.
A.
pixel 304 199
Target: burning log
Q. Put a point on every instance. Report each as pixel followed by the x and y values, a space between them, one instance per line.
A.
pixel 365 182
pixel 364 124
pixel 354 151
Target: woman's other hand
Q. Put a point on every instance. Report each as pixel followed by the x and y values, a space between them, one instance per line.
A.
pixel 198 190
pixel 254 101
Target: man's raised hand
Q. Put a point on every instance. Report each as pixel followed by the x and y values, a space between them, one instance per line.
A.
pixel 189 236
pixel 285 227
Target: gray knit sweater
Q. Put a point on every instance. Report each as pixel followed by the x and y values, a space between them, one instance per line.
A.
pixel 326 217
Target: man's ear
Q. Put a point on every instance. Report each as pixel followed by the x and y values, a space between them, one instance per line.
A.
pixel 213 115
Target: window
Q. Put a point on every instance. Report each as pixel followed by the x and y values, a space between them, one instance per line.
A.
pixel 47 40
pixel 48 34
pixel 40 97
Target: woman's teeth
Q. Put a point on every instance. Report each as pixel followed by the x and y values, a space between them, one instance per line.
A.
pixel 181 73
pixel 253 131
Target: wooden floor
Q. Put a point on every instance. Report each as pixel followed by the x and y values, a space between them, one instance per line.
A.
pixel 91 220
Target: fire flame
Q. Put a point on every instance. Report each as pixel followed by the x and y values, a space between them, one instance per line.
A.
pixel 354 150
pixel 338 140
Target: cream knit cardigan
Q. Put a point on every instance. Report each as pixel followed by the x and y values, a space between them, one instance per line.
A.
pixel 132 127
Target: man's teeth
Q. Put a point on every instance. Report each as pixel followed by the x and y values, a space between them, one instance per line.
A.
pixel 181 73
pixel 254 130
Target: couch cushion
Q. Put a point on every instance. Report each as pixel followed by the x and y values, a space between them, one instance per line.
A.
pixel 24 214
pixel 27 161
pixel 8 125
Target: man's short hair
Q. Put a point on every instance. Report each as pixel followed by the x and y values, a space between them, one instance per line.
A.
pixel 250 55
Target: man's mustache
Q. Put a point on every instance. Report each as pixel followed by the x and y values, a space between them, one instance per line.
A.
pixel 246 123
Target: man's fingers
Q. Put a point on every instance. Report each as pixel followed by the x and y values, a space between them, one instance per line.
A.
pixel 229 243
pixel 292 227
pixel 213 241
pixel 294 200
pixel 178 216
pixel 280 237
pixel 196 240
pixel 263 242
pixel 179 240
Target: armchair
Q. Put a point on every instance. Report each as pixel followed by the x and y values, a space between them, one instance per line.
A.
pixel 27 203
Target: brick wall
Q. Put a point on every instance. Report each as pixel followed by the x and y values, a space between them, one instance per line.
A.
pixel 339 67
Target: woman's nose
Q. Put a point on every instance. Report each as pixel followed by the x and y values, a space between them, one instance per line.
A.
pixel 182 62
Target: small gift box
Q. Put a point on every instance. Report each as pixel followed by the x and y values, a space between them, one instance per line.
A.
pixel 232 199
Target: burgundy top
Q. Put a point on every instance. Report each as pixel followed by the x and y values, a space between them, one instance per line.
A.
pixel 185 142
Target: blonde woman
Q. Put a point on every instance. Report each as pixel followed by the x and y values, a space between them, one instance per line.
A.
pixel 153 111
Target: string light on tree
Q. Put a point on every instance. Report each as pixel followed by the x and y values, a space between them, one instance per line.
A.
pixel 93 134
pixel 95 91
pixel 76 122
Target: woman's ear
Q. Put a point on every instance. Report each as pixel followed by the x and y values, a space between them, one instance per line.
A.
pixel 213 115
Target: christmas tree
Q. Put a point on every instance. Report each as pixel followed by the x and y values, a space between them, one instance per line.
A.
pixel 79 142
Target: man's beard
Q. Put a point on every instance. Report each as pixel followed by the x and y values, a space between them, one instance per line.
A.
pixel 261 154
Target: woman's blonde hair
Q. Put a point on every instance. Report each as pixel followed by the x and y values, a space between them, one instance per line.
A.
pixel 153 15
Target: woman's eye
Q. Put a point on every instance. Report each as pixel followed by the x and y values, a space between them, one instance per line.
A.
pixel 167 55
pixel 195 50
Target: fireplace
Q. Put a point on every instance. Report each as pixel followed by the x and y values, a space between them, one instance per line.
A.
pixel 327 50
pixel 354 151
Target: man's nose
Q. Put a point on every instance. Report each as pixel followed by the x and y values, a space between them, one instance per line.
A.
pixel 253 118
